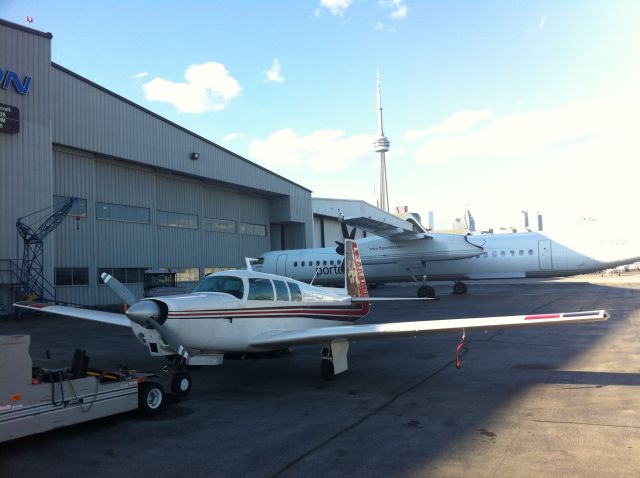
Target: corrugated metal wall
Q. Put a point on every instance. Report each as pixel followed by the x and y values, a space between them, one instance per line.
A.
pixel 98 243
pixel 25 157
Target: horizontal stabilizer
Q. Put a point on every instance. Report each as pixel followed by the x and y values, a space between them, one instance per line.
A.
pixel 423 327
pixel 76 312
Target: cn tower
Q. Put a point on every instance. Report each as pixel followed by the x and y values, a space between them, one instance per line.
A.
pixel 381 145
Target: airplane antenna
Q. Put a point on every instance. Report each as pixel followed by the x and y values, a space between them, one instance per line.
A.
pixel 381 146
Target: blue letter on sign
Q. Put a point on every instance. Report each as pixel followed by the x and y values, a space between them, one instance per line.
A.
pixel 12 77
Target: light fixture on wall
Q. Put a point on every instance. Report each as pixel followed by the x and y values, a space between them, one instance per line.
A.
pixel 195 156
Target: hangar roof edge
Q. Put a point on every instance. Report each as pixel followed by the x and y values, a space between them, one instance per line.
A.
pixel 17 26
pixel 175 125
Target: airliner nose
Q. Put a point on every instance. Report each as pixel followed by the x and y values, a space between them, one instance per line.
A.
pixel 143 310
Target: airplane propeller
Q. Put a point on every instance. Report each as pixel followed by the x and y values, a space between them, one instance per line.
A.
pixel 145 313
pixel 345 235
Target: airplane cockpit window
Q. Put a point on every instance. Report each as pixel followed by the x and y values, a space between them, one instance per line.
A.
pixel 226 284
pixel 282 293
pixel 260 289
pixel 296 294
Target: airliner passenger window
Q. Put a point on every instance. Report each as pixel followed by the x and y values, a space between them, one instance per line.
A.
pixel 521 252
pixel 295 263
pixel 502 253
pixel 296 294
pixel 513 253
pixel 302 264
pixel 494 253
pixel 324 263
pixel 530 252
pixel 317 263
pixel 331 263
pixel 486 254
pixel 260 289
pixel 226 284
pixel 282 293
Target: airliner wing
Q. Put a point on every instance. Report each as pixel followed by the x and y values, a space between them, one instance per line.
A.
pixel 77 312
pixel 280 338
pixel 399 230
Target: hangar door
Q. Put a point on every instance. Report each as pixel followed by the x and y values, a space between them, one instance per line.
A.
pixel 544 255
pixel 281 265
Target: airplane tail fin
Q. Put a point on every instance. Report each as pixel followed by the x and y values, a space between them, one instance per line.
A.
pixel 354 281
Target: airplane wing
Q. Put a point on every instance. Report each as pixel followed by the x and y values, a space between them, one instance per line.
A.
pixel 400 230
pixel 77 312
pixel 280 338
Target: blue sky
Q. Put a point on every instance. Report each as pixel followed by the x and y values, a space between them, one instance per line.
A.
pixel 501 105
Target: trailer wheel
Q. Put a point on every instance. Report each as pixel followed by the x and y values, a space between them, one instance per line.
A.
pixel 181 384
pixel 150 398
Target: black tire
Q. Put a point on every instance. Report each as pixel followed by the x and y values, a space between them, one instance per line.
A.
pixel 181 384
pixel 326 370
pixel 426 291
pixel 150 398
pixel 460 288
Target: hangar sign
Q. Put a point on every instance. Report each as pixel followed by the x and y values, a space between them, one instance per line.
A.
pixel 9 119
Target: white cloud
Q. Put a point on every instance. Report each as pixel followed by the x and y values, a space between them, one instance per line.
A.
pixel 458 122
pixel 323 150
pixel 573 128
pixel 209 87
pixel 336 7
pixel 232 136
pixel 541 23
pixel 275 72
pixel 141 75
pixel 399 8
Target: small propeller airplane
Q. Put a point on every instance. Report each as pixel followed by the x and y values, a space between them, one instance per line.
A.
pixel 247 311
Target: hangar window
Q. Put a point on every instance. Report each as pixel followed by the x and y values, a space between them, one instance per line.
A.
pixel 177 219
pixel 78 209
pixel 218 225
pixel 126 275
pixel 260 289
pixel 282 293
pixel 253 229
pixel 211 270
pixel 118 212
pixel 187 274
pixel 71 276
pixel 296 294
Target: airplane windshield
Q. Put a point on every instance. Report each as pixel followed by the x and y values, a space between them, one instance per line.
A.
pixel 226 284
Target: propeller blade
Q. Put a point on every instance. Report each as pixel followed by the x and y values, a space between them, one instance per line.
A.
pixel 353 234
pixel 118 289
pixel 340 248
pixel 169 337
pixel 345 230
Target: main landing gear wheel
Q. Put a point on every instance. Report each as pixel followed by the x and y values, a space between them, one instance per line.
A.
pixel 150 398
pixel 426 291
pixel 326 370
pixel 181 384
pixel 459 288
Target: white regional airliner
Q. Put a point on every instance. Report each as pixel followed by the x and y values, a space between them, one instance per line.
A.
pixel 503 256
pixel 247 311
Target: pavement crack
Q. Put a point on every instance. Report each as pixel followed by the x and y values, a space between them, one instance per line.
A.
pixel 366 417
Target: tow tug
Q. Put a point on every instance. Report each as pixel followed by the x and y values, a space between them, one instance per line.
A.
pixel 35 400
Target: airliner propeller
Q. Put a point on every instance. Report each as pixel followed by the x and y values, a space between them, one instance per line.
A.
pixel 146 313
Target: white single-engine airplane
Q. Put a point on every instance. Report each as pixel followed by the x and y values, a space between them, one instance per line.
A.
pixel 392 258
pixel 248 311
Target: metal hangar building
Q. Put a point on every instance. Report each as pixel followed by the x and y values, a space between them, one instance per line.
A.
pixel 151 193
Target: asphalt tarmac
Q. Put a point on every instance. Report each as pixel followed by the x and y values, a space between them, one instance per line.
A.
pixel 548 401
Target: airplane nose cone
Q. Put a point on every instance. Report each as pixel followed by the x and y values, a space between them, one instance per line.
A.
pixel 141 311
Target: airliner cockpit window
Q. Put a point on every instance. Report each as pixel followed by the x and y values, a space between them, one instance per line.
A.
pixel 225 284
